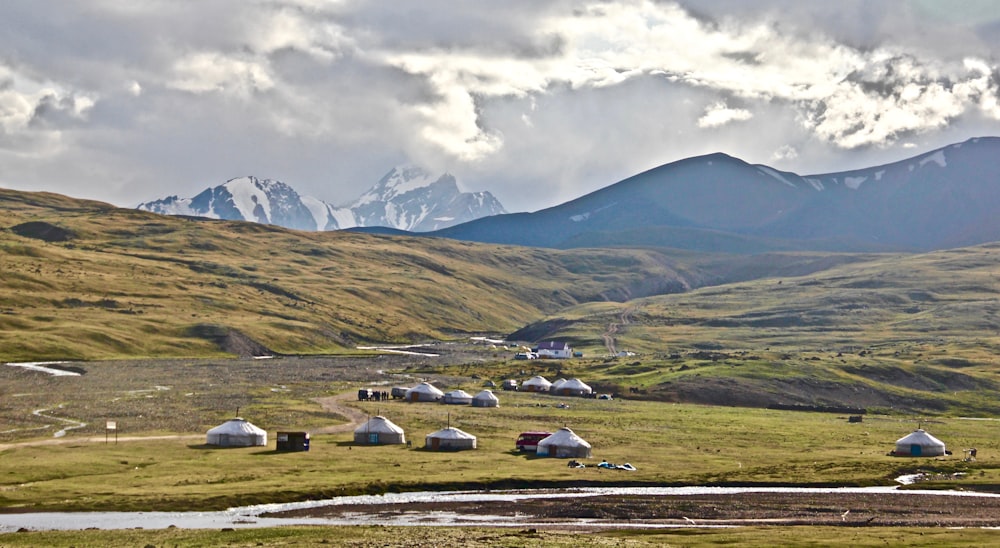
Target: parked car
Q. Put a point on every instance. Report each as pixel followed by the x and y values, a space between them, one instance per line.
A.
pixel 528 441
pixel 398 392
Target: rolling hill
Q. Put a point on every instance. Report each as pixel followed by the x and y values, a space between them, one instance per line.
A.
pixel 85 280
pixel 904 333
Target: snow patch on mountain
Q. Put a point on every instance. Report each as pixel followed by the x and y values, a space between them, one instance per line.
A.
pixel 815 183
pixel 250 196
pixel 773 173
pixel 854 182
pixel 343 217
pixel 579 218
pixel 937 157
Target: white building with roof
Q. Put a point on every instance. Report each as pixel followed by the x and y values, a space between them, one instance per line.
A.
pixel 237 432
pixel 449 439
pixel 536 384
pixel 486 398
pixel 554 349
pixel 457 397
pixel 379 430
pixel 564 444
pixel 573 387
pixel 424 392
pixel 919 444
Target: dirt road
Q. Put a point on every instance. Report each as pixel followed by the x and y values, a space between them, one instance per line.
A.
pixel 614 328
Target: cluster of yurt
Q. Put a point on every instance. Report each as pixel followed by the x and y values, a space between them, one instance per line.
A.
pixel 424 392
pixel 561 387
pixel 379 430
pixel 564 444
pixel 237 432
pixel 919 444
pixel 449 439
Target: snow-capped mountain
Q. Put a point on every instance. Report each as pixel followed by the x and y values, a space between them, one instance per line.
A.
pixel 943 198
pixel 243 199
pixel 410 198
pixel 406 198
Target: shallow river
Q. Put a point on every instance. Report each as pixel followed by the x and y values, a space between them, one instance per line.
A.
pixel 251 516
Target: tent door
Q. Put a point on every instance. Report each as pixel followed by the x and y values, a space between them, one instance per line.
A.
pixel 373 438
pixel 435 443
pixel 915 450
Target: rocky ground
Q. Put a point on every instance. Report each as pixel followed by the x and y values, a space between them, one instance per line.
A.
pixel 840 509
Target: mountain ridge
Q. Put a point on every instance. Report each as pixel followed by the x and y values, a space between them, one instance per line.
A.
pixel 938 199
pixel 406 198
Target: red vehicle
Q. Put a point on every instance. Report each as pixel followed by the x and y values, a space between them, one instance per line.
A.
pixel 528 441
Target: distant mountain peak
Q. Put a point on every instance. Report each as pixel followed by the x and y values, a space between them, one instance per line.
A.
pixel 408 198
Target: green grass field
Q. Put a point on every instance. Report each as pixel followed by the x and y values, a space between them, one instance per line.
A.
pixel 670 444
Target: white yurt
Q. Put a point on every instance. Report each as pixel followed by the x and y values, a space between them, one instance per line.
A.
pixel 573 387
pixel 486 398
pixel 449 439
pixel 919 444
pixel 424 392
pixel 379 431
pixel 536 384
pixel 564 444
pixel 457 397
pixel 556 384
pixel 236 432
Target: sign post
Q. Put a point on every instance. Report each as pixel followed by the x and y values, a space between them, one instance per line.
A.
pixel 112 425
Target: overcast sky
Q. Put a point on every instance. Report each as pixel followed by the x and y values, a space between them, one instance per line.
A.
pixel 537 101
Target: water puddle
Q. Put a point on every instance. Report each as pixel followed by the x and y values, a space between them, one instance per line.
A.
pixel 41 367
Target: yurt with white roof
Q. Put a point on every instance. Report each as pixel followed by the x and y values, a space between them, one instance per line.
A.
pixel 556 384
pixel 237 432
pixel 457 397
pixel 536 384
pixel 449 439
pixel 919 444
pixel 564 444
pixel 573 387
pixel 486 398
pixel 379 430
pixel 424 392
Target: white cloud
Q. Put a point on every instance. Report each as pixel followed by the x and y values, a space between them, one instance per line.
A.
pixel 785 152
pixel 33 116
pixel 215 72
pixel 719 114
pixel 541 99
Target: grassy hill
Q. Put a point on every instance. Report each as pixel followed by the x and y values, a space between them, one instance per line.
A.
pixel 912 333
pixel 85 280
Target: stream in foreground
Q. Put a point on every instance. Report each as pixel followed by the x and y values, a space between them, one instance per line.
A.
pixel 472 508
